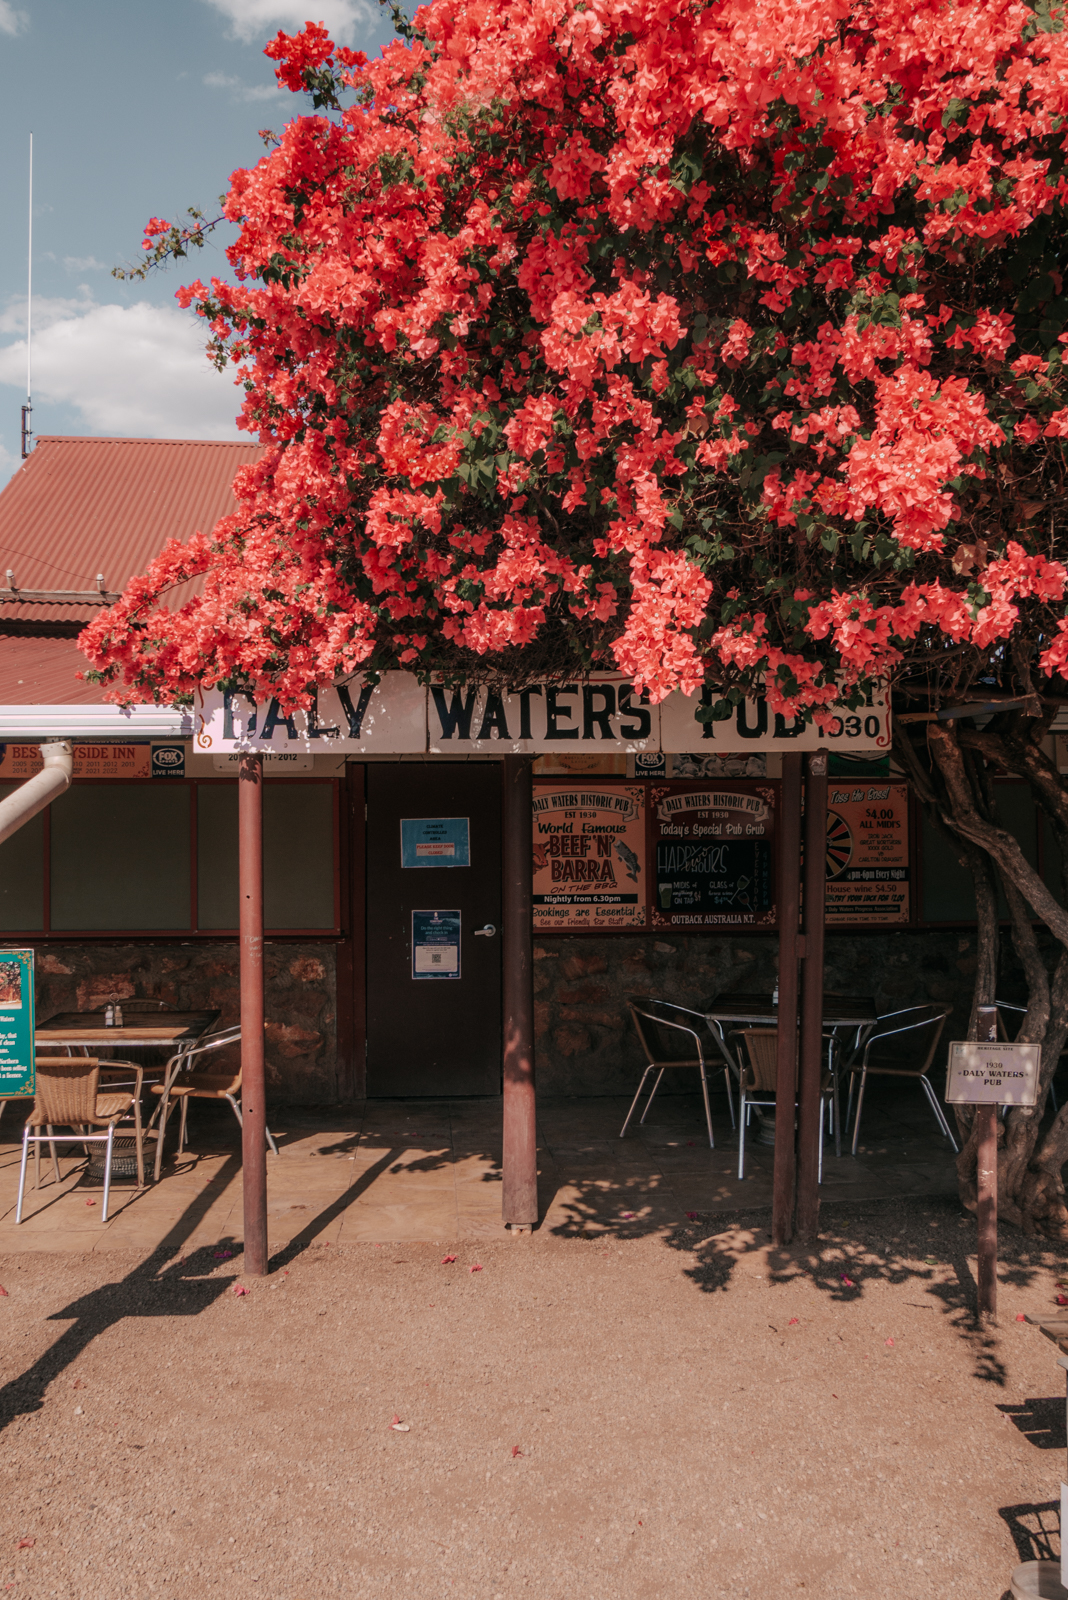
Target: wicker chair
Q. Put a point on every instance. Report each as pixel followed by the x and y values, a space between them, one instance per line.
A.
pixel 671 1037
pixel 759 1060
pixel 68 1097
pixel 201 1086
pixel 903 1045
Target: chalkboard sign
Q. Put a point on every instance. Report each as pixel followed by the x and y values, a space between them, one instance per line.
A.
pixel 713 859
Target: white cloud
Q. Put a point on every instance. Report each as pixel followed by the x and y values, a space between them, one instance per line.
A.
pixel 12 21
pixel 83 264
pixel 132 371
pixel 347 21
pixel 244 91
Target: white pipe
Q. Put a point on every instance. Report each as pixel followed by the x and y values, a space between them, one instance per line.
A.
pixel 38 791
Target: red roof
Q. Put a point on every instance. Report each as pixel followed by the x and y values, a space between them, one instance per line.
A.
pixel 42 672
pixel 77 507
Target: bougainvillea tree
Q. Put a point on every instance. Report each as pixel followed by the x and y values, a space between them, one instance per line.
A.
pixel 713 343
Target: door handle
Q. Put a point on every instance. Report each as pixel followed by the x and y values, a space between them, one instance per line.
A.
pixel 485 933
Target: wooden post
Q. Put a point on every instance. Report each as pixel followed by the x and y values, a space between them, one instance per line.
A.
pixel 253 1109
pixel 519 1197
pixel 808 1114
pixel 986 1122
pixel 789 897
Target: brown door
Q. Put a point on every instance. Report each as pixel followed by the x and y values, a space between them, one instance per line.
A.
pixel 433 965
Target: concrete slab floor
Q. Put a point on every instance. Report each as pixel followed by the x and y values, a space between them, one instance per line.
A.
pixel 430 1170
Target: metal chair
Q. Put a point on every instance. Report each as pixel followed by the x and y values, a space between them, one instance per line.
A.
pixel 658 1024
pixel 915 1029
pixel 67 1097
pixel 199 1086
pixel 760 1071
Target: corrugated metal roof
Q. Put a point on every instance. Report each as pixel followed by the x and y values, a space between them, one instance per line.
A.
pixel 77 507
pixel 42 672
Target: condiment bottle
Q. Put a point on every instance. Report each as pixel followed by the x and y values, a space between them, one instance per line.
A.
pixel 118 1016
pixel 109 1016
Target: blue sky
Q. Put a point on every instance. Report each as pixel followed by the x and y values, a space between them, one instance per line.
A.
pixel 138 108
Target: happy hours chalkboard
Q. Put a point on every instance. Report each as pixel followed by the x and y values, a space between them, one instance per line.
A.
pixel 712 847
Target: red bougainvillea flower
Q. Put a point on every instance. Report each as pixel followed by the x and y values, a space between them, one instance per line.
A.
pixel 697 343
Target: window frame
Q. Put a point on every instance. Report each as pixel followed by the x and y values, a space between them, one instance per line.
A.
pixel 46 933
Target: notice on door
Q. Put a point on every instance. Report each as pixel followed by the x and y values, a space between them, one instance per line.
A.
pixel 713 855
pixel 16 1023
pixel 435 944
pixel 589 856
pixel 435 842
pixel 867 852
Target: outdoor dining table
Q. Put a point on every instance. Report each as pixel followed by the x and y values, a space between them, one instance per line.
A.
pixel 174 1031
pixel 843 1016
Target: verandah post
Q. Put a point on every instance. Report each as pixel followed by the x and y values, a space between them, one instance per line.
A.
pixel 811 1075
pixel 253 1109
pixel 789 898
pixel 519 1197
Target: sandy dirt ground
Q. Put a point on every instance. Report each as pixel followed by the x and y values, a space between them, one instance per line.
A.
pixel 627 1415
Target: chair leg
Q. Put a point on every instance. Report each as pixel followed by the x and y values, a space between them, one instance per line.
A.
pixel 634 1102
pixel 849 1102
pixel 270 1135
pixel 22 1172
pixel 819 1161
pixel 860 1108
pixel 140 1151
pixel 182 1135
pixel 730 1096
pixel 164 1112
pixel 708 1108
pixel 939 1113
pixel 743 1113
pixel 107 1169
pixel 36 1163
pixel 649 1102
pixel 836 1108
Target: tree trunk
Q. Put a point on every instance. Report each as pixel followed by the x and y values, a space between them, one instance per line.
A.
pixel 1030 1184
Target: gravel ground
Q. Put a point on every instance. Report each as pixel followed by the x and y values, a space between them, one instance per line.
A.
pixel 613 1416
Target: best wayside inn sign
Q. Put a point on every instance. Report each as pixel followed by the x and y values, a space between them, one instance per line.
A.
pixel 401 716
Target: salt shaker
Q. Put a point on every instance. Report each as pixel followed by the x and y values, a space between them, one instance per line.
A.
pixel 109 1016
pixel 118 1016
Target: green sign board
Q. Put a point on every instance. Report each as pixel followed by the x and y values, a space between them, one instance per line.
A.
pixel 16 1024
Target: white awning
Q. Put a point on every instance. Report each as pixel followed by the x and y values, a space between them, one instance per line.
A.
pixel 93 721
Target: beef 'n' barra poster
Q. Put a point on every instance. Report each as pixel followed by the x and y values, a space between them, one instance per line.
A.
pixel 589 856
pixel 867 852
pixel 713 854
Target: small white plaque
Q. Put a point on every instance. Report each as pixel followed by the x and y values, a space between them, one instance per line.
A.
pixel 274 762
pixel 993 1074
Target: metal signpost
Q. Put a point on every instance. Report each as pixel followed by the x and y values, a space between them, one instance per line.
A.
pixel 986 1074
pixel 17 1079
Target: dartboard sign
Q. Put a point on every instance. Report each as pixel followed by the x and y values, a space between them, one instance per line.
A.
pixel 839 844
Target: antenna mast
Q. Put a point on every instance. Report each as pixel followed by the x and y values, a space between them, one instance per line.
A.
pixel 27 409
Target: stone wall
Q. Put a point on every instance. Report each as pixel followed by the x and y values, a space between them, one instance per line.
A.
pixel 585 1040
pixel 300 982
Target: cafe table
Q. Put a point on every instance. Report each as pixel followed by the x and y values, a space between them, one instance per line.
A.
pixel 174 1031
pixel 847 1022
